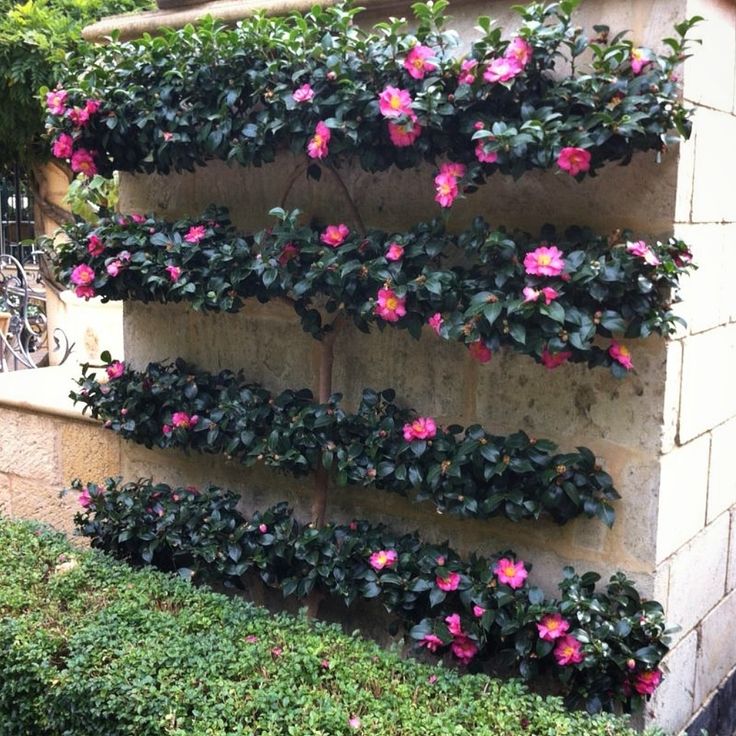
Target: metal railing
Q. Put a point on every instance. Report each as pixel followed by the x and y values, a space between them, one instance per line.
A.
pixel 16 214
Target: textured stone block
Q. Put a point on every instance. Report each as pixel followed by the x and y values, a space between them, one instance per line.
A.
pixel 671 399
pixel 722 480
pixel 30 446
pixel 5 506
pixel 34 499
pixel 717 651
pixel 89 452
pixel 731 576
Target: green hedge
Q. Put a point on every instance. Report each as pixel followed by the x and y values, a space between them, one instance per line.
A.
pixel 89 647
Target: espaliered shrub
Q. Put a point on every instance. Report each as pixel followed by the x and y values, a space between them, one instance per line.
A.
pixel 601 646
pixel 90 647
pixel 318 85
pixel 549 297
pixel 465 471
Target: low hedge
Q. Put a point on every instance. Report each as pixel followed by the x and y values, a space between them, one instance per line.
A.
pixel 89 647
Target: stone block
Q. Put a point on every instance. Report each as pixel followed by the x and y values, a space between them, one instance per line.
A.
pixel 35 499
pixel 722 480
pixel 671 399
pixel 707 398
pixel 682 495
pixel 88 452
pixel 731 576
pixel 717 651
pixel 698 576
pixel 30 446
pixel 5 496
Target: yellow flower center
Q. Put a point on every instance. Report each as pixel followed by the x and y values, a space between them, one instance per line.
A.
pixel 624 351
pixel 544 260
pixel 418 63
pixel 552 624
pixel 391 303
pixel 395 102
pixel 317 140
pixel 509 571
pixel 568 651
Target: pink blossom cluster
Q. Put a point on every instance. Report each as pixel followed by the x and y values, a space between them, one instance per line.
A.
pixel 318 145
pixel 446 183
pixel 383 558
pixel 514 60
pixel 81 160
pixel 396 106
pixel 389 305
pixel 422 428
pixel 180 420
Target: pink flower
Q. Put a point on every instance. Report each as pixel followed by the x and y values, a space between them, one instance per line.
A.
pixel 643 251
pixel 137 218
pixel 417 64
pixel 478 611
pixel 56 101
pixel 288 252
pixel 510 573
pixel 532 295
pixel 555 360
pixel 454 625
pixel 464 649
pixel 432 642
pixel 394 102
pixel 390 306
pixel 383 558
pixel 182 420
pixel 317 147
pixel 568 651
pixel 92 107
pixel 435 322
pixel 621 354
pixel 276 652
pixel 453 169
pixel 467 71
pixel 83 162
pixel 63 146
pixel 354 722
pixel 638 60
pixel 166 429
pixel 262 528
pixel 422 428
pixel 85 500
pixel 552 626
pixel 115 369
pixel 174 273
pixel 520 50
pixel 395 252
pixel 196 234
pixel 574 160
pixel 449 583
pixel 441 559
pixel 167 135
pixel 432 679
pixel 404 134
pixel 86 292
pixel 79 116
pixel 483 155
pixel 544 261
pixel 446 190
pixel 305 93
pixel 95 246
pixel 334 235
pixel 113 268
pixel 645 683
pixel 480 351
pixel 83 275
pixel 502 70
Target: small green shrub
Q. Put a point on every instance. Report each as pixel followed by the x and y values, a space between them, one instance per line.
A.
pixel 89 647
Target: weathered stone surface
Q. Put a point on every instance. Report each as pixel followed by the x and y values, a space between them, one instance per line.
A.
pixel 88 452
pixel 30 446
pixel 722 480
pixel 34 499
pixel 717 652
pixel 5 497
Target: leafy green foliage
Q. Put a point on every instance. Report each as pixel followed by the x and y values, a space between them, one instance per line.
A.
pixel 465 471
pixel 89 647
pixel 201 533
pixel 173 101
pixel 605 289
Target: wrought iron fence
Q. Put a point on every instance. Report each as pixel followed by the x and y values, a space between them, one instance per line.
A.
pixel 16 215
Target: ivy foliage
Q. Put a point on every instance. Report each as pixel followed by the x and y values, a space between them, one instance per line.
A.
pixel 468 472
pixel 604 288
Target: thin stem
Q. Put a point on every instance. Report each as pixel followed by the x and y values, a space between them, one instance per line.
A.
pixel 351 202
pixel 298 170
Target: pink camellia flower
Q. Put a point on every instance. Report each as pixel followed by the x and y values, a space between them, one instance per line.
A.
pixel 502 70
pixel 113 268
pixel 334 235
pixel 573 160
pixel 645 683
pixel 520 50
pixel 454 625
pixel 552 626
pixel 404 134
pixel 432 642
pixel 83 162
pixel 478 611
pixel 441 559
pixel 182 420
pixel 354 722
pixel 85 292
pixel 464 648
pixel 568 651
pixel 549 294
pixel 166 429
pixel 395 103
pixel 92 106
pixel 383 558
pixel 483 155
pixel 544 261
pixel 510 573
pixel 115 369
pixel 288 252
pixel 196 234
pixel 643 251
pixel 262 528
pixel 446 190
pixel 395 252
pixel 422 428
pixel 168 135
pixel 56 101
pixel 683 258
pixel 432 679
pixel 317 147
pixel 480 351
pixel 174 272
pixel 277 652
pixel 453 169
pixel 82 275
pixel 63 146
pixel 638 60
pixel 449 583
pixel 435 322
pixel 390 306
pixel 85 500
pixel 467 71
pixel 79 116
pixel 417 61
pixel 305 93
pixel 532 295
pixel 555 360
pixel 137 218
pixel 621 354
pixel 95 246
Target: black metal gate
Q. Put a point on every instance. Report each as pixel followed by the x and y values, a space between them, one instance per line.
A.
pixel 16 214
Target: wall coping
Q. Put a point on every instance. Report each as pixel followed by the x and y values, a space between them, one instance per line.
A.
pixel 41 391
